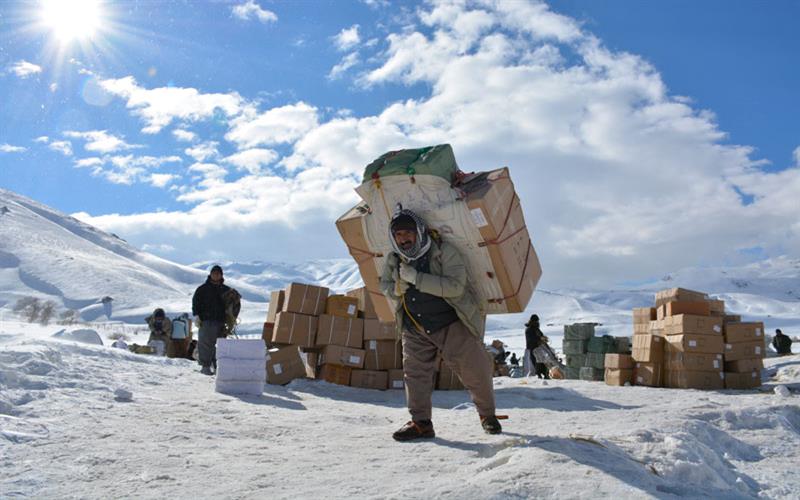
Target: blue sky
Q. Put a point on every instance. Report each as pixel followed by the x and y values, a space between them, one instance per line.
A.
pixel 642 136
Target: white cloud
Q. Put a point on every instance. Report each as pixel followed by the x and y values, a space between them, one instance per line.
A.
pixel 275 126
pixel 24 69
pixel 8 148
pixel 63 147
pixel 345 64
pixel 252 160
pixel 100 141
pixel 159 248
pixel 128 169
pixel 347 38
pixel 184 135
pixel 161 180
pixel 251 10
pixel 203 151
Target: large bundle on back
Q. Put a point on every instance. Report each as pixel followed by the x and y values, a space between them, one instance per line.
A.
pixel 479 213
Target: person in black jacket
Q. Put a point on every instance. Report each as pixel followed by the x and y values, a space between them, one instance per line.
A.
pixel 533 339
pixel 782 343
pixel 207 304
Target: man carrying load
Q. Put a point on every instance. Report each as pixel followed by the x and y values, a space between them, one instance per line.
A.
pixel 437 313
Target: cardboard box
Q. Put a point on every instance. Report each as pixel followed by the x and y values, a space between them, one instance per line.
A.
pixel 648 348
pixel 746 380
pixel 335 374
pixel 744 350
pixel 731 318
pixel 690 323
pixel 378 330
pixel 370 379
pixel 342 305
pixel 641 328
pixel 693 361
pixel 743 332
pixel 267 331
pixel 285 365
pixel 396 379
pixel 383 355
pixel 337 330
pixel 275 305
pixel 684 379
pixel 717 307
pixel 644 315
pixel 295 329
pixel 305 299
pixel 447 379
pixel 648 374
pixel 679 295
pixel 365 306
pixel 614 376
pixel 496 210
pixel 342 356
pixel 744 365
pixel 676 308
pixel 619 361
pixel 658 328
pixel 708 344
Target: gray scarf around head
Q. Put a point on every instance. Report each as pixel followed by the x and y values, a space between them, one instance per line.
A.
pixel 423 243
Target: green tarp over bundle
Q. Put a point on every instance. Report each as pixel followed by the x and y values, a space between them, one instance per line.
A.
pixel 576 361
pixel 592 374
pixel 602 345
pixel 574 347
pixel 579 331
pixel 433 160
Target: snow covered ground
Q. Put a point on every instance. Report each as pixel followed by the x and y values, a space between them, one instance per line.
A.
pixel 66 432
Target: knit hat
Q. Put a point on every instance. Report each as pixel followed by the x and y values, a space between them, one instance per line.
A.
pixel 403 222
pixel 216 268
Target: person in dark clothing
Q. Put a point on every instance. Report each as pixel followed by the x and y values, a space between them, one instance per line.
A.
pixel 536 341
pixel 782 343
pixel 514 361
pixel 207 304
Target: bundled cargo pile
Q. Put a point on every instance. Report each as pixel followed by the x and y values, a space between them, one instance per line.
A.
pixel 586 353
pixel 478 213
pixel 688 341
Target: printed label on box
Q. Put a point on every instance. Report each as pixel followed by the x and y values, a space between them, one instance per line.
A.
pixel 397 384
pixel 758 332
pixel 277 369
pixel 351 309
pixel 758 350
pixel 355 359
pixel 478 218
pixel 692 343
pixel 716 363
pixel 717 328
pixel 373 345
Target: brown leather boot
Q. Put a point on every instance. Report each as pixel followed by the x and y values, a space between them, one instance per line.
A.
pixel 421 429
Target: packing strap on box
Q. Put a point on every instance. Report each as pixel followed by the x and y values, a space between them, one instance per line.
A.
pixel 361 256
pixel 521 278
pixel 291 331
pixel 319 295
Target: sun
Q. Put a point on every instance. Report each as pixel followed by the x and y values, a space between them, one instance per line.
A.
pixel 72 19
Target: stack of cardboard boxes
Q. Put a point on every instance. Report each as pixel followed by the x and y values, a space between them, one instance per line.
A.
pixel 618 369
pixel 687 340
pixel 586 354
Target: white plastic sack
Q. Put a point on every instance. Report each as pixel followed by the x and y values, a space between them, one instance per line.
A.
pixel 241 369
pixel 252 388
pixel 241 349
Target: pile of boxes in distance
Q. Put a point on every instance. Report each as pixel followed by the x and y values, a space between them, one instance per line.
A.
pixel 336 338
pixel 688 341
pixel 591 357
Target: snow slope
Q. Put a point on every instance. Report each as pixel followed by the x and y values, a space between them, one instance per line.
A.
pixel 67 429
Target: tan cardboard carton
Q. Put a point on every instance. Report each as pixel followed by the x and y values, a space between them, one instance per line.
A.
pixel 644 315
pixel 295 329
pixel 744 332
pixel 383 355
pixel 378 330
pixel 676 308
pixel 365 306
pixel 679 295
pixel 275 305
pixel 396 379
pixel 648 374
pixel 305 299
pixel 615 376
pixel 641 328
pixel 369 379
pixel 648 348
pixel 619 361
pixel 746 380
pixel 285 365
pixel 744 365
pixel 694 361
pixel 683 379
pixel 744 350
pixel 335 374
pixel 708 344
pixel 690 323
pixel 342 356
pixel 337 330
pixel 731 318
pixel 717 307
pixel 267 331
pixel 658 327
pixel 342 305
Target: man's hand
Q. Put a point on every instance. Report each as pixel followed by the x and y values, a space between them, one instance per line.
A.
pixel 408 273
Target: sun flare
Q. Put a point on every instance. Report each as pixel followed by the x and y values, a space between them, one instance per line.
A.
pixel 72 19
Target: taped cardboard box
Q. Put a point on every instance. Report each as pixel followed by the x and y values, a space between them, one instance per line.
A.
pixel 648 348
pixel 676 308
pixel 396 379
pixel 295 329
pixel 641 328
pixel 342 305
pixel 342 356
pixel 744 332
pixel 648 374
pixel 644 315
pixel 275 305
pixel 378 330
pixel 708 344
pixel 305 299
pixel 573 347
pixel 684 379
pixel 694 362
pixel 285 365
pixel 746 380
pixel 335 374
pixel 365 306
pixel 619 361
pixel 744 350
pixel 690 323
pixel 370 379
pixel 618 376
pixel 591 374
pixel 267 331
pixel 579 331
pixel 337 330
pixel 595 360
pixel 447 379
pixel 658 328
pixel 717 307
pixel 731 318
pixel 679 295
pixel 744 365
pixel 383 355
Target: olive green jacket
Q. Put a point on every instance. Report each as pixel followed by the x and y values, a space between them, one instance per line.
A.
pixel 447 279
pixel 165 335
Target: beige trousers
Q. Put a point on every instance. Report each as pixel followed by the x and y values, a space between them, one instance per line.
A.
pixel 462 351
